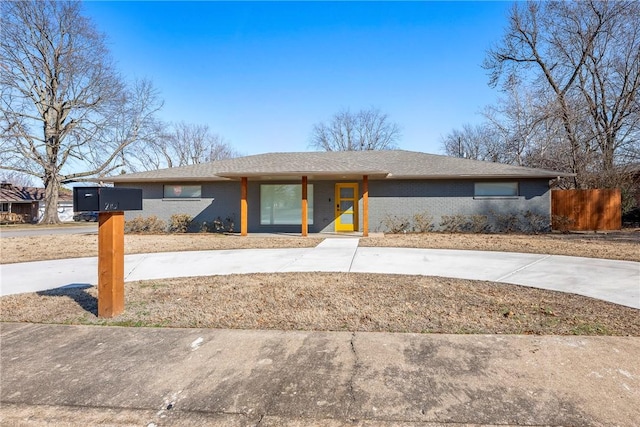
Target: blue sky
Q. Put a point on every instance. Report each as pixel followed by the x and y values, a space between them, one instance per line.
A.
pixel 261 74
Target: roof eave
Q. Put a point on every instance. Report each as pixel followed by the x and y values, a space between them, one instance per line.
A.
pixel 482 176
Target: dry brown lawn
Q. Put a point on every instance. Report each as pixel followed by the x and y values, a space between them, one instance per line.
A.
pixel 333 301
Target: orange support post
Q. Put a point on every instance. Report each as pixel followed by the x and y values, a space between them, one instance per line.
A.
pixel 305 207
pixel 365 206
pixel 243 207
pixel 110 264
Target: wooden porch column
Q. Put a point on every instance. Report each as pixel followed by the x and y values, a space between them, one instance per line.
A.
pixel 243 206
pixel 110 264
pixel 305 207
pixel 365 206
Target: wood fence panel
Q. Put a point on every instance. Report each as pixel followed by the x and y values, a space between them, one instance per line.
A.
pixel 586 210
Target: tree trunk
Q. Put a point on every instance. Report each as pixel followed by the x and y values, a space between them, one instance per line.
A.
pixel 51 190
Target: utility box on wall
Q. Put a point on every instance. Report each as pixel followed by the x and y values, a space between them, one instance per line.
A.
pixel 106 199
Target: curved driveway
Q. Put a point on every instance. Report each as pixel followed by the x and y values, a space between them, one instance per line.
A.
pixel 614 281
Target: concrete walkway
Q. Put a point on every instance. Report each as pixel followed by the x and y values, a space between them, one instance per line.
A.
pixel 609 280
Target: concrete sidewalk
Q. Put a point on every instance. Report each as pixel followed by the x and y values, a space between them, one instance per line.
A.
pixel 89 375
pixel 609 280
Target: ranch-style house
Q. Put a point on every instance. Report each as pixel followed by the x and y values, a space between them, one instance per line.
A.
pixel 348 191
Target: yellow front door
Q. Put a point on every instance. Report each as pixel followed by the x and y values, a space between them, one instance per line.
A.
pixel 347 207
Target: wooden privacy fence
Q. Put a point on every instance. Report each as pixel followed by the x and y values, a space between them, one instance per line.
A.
pixel 584 210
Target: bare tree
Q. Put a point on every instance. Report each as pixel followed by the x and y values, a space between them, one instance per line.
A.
pixel 517 120
pixel 64 107
pixel 610 87
pixel 479 142
pixel 508 134
pixel 365 130
pixel 179 145
pixel 16 179
pixel 193 144
pixel 585 57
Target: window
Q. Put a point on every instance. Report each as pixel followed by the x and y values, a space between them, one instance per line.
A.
pixel 496 189
pixel 4 207
pixel 281 204
pixel 182 191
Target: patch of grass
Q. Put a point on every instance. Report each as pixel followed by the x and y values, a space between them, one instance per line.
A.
pixel 127 323
pixel 589 328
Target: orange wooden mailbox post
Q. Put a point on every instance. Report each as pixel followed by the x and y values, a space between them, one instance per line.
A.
pixel 110 203
pixel 110 264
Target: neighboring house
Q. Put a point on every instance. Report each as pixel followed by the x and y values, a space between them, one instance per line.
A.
pixel 26 204
pixel 348 191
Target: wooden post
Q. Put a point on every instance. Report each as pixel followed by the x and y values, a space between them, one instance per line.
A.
pixel 365 206
pixel 110 264
pixel 243 206
pixel 305 207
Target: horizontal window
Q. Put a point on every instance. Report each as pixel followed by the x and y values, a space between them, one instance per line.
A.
pixel 496 189
pixel 182 191
pixel 281 204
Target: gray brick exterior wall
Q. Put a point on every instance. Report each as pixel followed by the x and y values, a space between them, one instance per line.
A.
pixel 219 199
pixel 401 198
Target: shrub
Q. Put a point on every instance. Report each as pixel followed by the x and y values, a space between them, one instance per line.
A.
pixel 228 224
pixel 563 223
pixel 507 223
pixel 422 222
pixel 453 223
pixel 395 224
pixel 535 223
pixel 465 223
pixel 478 224
pixel 179 223
pixel 149 225
pixel 202 227
pixel 217 225
pixel 136 225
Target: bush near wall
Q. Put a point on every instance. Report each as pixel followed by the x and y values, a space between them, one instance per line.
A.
pixel 180 223
pixel 465 224
pixel 420 223
pixel 218 225
pixel 149 225
pixel 527 222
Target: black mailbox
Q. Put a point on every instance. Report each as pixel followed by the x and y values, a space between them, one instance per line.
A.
pixel 106 199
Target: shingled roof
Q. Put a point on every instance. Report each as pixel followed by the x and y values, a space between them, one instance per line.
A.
pixel 391 164
pixel 19 194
